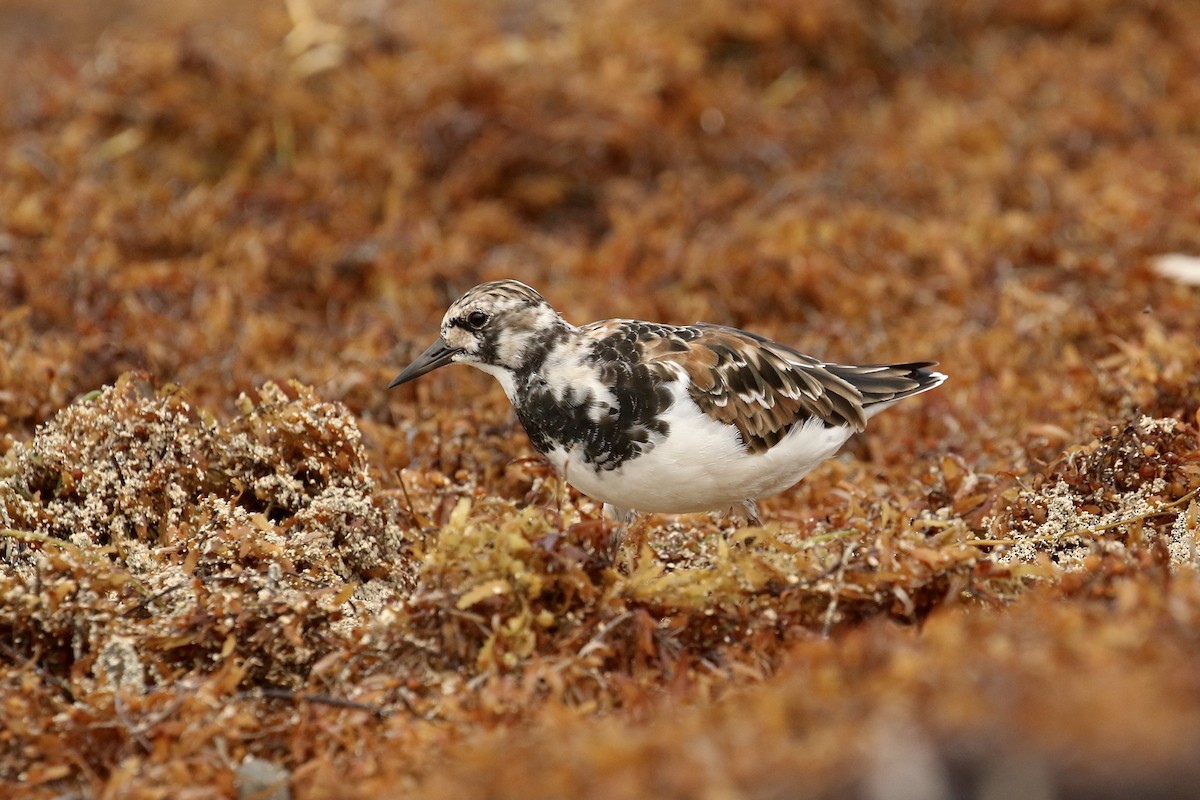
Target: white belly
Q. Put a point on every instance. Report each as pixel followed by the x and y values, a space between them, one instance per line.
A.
pixel 702 465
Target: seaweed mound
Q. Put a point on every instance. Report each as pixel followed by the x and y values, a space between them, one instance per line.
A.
pixel 135 521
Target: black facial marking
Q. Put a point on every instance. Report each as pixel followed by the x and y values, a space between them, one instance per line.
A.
pixel 487 347
pixel 621 432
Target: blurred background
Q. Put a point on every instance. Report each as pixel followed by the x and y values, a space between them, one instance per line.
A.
pixel 220 194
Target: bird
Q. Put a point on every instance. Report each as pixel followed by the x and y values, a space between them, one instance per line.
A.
pixel 654 418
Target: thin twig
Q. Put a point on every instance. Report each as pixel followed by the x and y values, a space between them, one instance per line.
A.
pixel 838 583
pixel 412 510
pixel 41 538
pixel 1091 531
pixel 19 660
pixel 320 699
pixel 156 598
pixel 822 538
pixel 596 642
pixel 130 728
pixel 63 544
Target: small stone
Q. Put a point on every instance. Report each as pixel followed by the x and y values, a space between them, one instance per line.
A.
pixel 259 779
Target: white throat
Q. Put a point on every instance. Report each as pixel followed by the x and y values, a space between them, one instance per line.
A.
pixel 502 374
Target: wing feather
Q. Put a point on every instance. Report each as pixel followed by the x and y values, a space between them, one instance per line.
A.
pixel 763 388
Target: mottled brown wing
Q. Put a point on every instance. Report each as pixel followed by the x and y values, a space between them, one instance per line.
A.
pixel 762 388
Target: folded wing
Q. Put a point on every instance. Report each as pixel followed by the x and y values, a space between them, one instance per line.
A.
pixel 766 389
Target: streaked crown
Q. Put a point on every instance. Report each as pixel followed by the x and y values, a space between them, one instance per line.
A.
pixel 496 323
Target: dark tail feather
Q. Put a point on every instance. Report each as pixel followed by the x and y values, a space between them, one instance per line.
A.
pixel 883 384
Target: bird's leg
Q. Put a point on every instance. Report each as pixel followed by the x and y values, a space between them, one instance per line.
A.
pixel 625 519
pixel 746 511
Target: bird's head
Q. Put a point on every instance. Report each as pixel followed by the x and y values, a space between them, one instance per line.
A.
pixel 496 327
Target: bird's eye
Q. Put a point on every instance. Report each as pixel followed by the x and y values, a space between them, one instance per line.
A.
pixel 477 319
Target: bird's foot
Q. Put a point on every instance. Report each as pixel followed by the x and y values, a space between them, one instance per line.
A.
pixel 747 512
pixel 743 514
pixel 630 525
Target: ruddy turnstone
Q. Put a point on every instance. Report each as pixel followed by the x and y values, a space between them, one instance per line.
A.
pixel 659 418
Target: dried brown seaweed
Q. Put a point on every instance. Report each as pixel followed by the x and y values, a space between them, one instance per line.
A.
pixel 211 573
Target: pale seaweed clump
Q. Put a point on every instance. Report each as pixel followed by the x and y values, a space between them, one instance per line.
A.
pixel 301 464
pixel 143 537
pixel 1062 534
pixel 1128 491
pixel 285 451
pixel 1185 532
pixel 123 463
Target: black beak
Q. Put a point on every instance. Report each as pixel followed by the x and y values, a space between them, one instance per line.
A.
pixel 439 354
